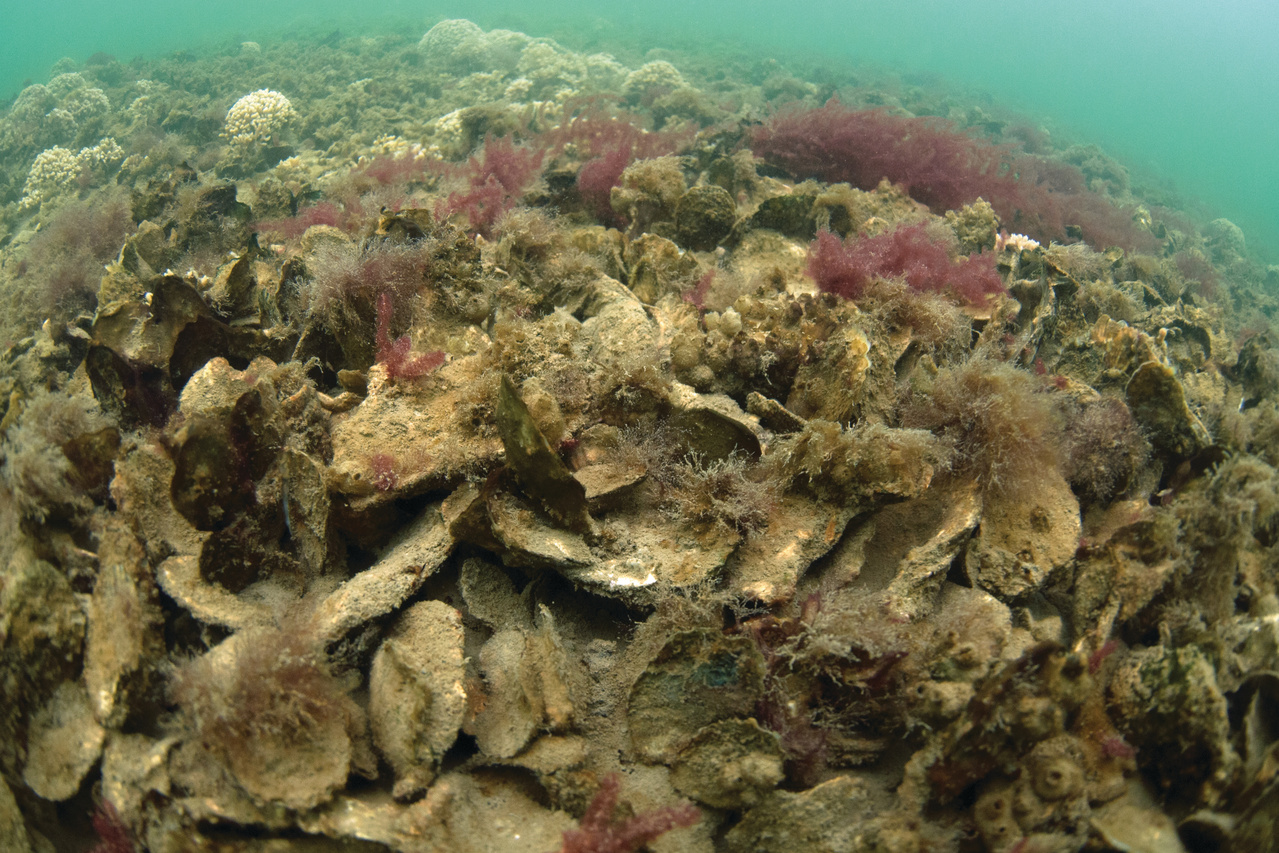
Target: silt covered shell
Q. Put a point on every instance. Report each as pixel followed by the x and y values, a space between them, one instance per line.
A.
pixel 416 697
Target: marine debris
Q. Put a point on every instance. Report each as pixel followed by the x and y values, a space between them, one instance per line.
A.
pixel 464 443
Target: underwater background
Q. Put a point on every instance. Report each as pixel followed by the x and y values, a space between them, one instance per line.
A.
pixel 442 428
pixel 1185 93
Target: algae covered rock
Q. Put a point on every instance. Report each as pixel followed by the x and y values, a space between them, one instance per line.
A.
pixel 276 724
pixel 542 473
pixel 480 813
pixel 40 647
pixel 656 267
pixel 1182 713
pixel 13 832
pixel 63 745
pixel 1021 541
pixel 124 640
pixel 731 764
pixel 704 216
pixel 830 816
pixel 1158 402
pixel 529 685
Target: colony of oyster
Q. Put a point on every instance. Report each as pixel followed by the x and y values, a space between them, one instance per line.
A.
pixel 374 497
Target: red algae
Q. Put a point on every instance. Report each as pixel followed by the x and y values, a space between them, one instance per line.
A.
pixel 945 168
pixel 847 268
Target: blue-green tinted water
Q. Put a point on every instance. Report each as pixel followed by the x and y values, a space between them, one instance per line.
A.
pixel 1180 91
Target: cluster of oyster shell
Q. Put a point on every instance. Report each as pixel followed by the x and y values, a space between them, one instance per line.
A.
pixel 624 526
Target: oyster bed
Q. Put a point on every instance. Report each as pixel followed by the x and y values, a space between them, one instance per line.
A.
pixel 467 436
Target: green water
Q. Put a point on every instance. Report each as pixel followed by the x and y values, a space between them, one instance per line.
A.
pixel 1186 94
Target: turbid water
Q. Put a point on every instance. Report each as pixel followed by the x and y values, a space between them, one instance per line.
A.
pixel 1186 95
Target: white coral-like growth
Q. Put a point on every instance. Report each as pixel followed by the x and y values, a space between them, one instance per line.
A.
pixel 555 72
pixel 651 75
pixel 56 170
pixel 459 46
pixel 106 153
pixel 518 89
pixel 603 71
pixel 60 106
pixel 53 172
pixel 60 123
pixel 32 102
pixel 545 62
pixel 86 102
pixel 390 145
pixel 1015 242
pixel 257 117
pixel 450 134
pixel 456 45
pixel 65 84
pixel 449 35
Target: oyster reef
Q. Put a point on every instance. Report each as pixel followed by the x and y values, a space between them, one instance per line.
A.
pixel 471 444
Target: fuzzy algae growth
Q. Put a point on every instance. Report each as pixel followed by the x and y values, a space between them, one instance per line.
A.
pixel 509 448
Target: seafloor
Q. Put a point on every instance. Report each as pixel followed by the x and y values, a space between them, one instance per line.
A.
pixel 477 445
